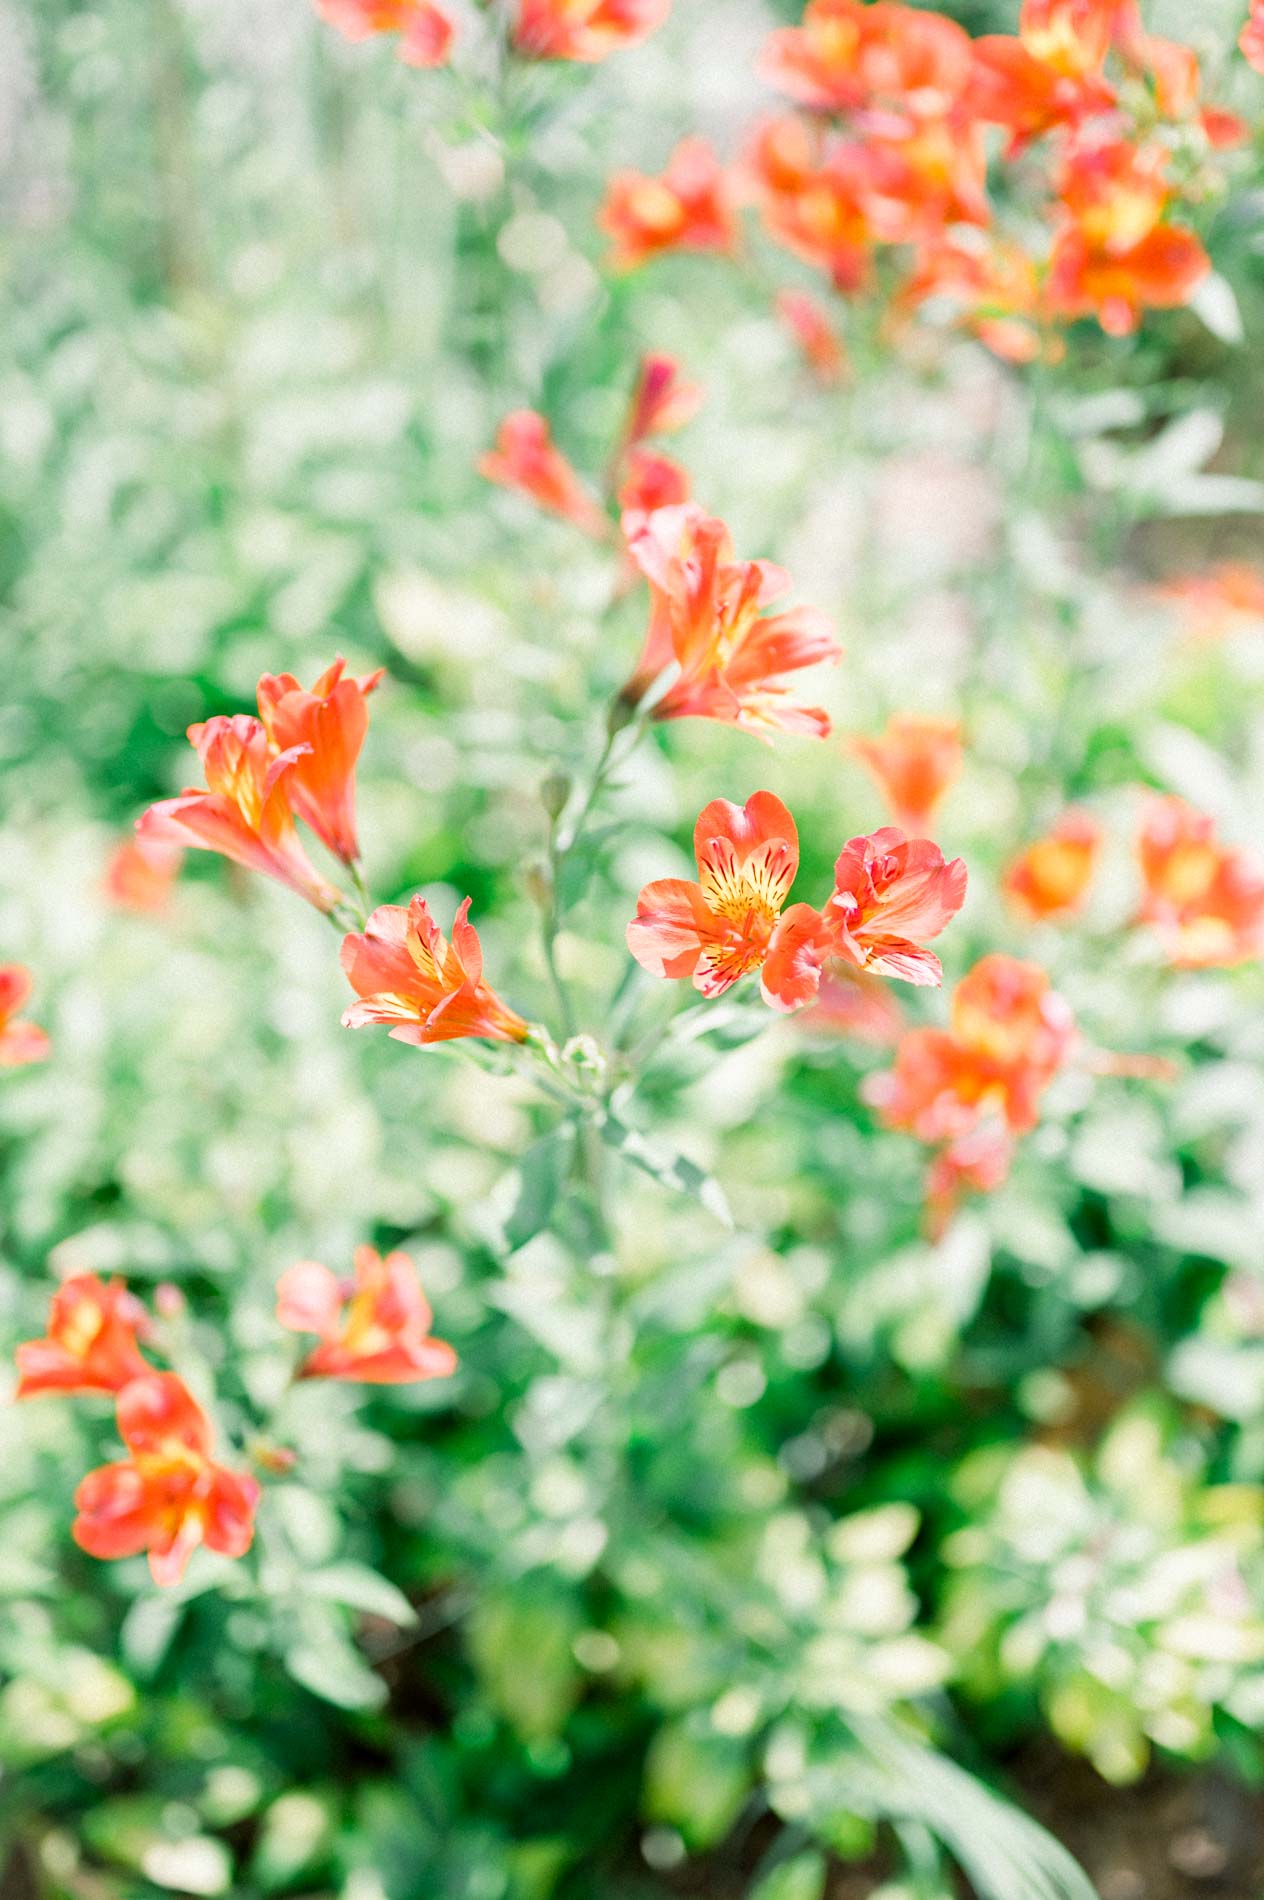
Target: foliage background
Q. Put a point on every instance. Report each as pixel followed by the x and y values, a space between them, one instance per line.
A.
pixel 264 299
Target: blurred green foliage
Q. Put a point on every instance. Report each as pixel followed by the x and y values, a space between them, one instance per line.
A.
pixel 716 1530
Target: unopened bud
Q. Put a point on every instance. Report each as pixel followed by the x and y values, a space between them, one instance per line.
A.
pixel 554 793
pixel 168 1300
pixel 539 884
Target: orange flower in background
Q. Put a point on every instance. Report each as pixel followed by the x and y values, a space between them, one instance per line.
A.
pixel 707 618
pixel 819 342
pixel 1115 256
pixel 847 55
pixel 90 1345
pixel 976 1163
pixel 1051 877
pixel 720 928
pixel 1204 900
pixel 1072 37
pixel 584 30
pixel 426 32
pixel 376 1329
pixel 915 760
pixel 524 458
pixel 140 874
pixel 1226 598
pixel 325 728
pixel 1051 75
pixel 814 196
pixel 661 402
pixel 20 1042
pixel 988 285
pixel 687 208
pixel 169 1495
pixel 650 481
pixel 1251 38
pixel 426 990
pixel 244 813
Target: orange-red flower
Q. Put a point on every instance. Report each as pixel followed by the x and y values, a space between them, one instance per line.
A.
pixel 140 874
pixel 819 341
pixel 406 976
pixel 1009 1035
pixel 1116 256
pixel 687 208
pixel 1051 75
pixel 525 458
pixel 847 55
pixel 915 762
pixel 1251 38
pixel 584 30
pixel 90 1345
pixel 244 813
pixel 815 195
pixel 976 1163
pixel 662 401
pixel 720 928
pixel 20 1041
pixel 169 1495
pixel 1204 900
pixel 426 33
pixel 1051 877
pixel 987 285
pixel 376 1329
pixel 325 729
pixel 707 618
pixel 1230 595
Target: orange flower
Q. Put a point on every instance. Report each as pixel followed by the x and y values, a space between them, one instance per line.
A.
pixel 140 874
pixel 244 813
pixel 1050 76
pixel 1051 877
pixel 687 208
pixel 1115 256
pixel 662 401
pixel 1071 37
pixel 584 30
pixel 376 1330
pixel 168 1496
pixel 976 1163
pixel 814 196
pixel 815 335
pixel 989 285
pixel 1217 603
pixel 1251 38
pixel 915 761
pixel 90 1345
pixel 720 928
pixel 325 729
pixel 1203 899
pixel 524 458
pixel 706 617
pixel 1009 1035
pixel 426 33
pixel 20 1042
pixel 428 991
pixel 847 55
pixel 650 481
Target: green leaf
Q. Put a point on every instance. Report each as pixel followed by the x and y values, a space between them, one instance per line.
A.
pixel 671 1170
pixel 359 1588
pixel 800 1878
pixel 522 1202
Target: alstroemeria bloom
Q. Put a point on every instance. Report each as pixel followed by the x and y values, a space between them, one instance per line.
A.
pixel 424 989
pixel 169 1495
pixel 245 811
pixel 426 32
pixel 1116 257
pixel 661 402
pixel 1229 596
pixel 890 893
pixel 377 1329
pixel 584 30
pixel 1204 900
pixel 1051 877
pixel 848 55
pixel 687 208
pixel 1051 75
pixel 650 481
pixel 720 928
pixel 820 344
pixel 90 1345
pixel 20 1042
pixel 987 285
pixel 140 874
pixel 525 458
pixel 916 760
pixel 706 616
pixel 814 194
pixel 326 728
pixel 1010 1033
pixel 1251 38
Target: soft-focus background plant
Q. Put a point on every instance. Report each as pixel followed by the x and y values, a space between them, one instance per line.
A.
pixel 713 1521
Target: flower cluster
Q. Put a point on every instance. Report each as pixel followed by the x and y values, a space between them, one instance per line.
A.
pixel 20 1041
pixel 171 1493
pixel 1204 900
pixel 581 30
pixel 889 892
